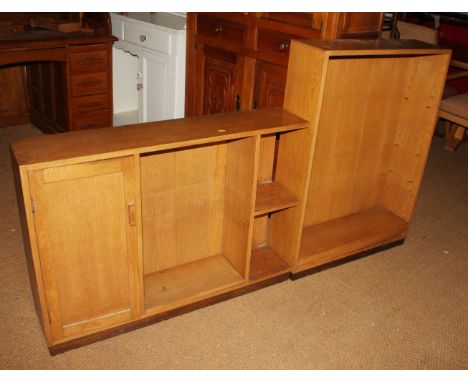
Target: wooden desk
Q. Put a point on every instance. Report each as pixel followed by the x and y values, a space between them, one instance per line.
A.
pixel 66 81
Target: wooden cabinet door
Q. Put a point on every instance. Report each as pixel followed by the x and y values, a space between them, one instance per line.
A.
pixel 221 75
pixel 47 83
pixel 270 84
pixel 156 95
pixel 85 224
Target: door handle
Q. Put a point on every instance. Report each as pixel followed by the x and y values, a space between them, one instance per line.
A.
pixel 131 214
pixel 238 104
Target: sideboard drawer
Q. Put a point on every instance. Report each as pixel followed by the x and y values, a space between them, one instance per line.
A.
pixel 301 19
pixel 92 120
pixel 87 84
pixel 225 30
pixel 147 38
pixel 81 105
pixel 274 42
pixel 89 62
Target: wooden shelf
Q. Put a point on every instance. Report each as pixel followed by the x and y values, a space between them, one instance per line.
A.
pixel 266 263
pixel 189 282
pixel 272 197
pixel 342 237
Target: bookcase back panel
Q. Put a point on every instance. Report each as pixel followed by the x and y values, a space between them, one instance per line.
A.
pixel 360 110
pixel 182 202
pixel 417 116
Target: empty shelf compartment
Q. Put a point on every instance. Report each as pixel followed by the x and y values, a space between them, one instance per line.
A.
pixel 351 234
pixel 189 282
pixel 266 263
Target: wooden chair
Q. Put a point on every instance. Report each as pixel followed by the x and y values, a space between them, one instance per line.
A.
pixel 454 110
pixel 410 31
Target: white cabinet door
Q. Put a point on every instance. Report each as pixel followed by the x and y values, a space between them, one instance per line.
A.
pixel 156 94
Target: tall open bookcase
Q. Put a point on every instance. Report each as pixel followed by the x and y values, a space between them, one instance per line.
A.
pixel 127 226
pixel 372 106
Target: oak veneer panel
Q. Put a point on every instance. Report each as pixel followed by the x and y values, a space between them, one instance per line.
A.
pixel 360 108
pixel 296 148
pixel 272 197
pixel 285 226
pixel 85 276
pixel 148 137
pixel 338 238
pixel 265 263
pixel 189 282
pixel 183 204
pixel 239 199
pixel 30 245
pixel 418 115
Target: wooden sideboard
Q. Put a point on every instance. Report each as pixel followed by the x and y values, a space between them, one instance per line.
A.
pixel 238 61
pixel 66 84
pixel 131 225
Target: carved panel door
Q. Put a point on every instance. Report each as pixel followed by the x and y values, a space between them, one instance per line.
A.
pixel 270 83
pixel 220 74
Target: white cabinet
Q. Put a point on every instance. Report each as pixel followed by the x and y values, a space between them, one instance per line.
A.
pixel 149 67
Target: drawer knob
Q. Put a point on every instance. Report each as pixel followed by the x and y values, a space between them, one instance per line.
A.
pixel 218 29
pixel 142 38
pixel 283 45
pixel 139 86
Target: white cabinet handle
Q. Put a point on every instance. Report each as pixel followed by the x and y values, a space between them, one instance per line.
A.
pixel 139 86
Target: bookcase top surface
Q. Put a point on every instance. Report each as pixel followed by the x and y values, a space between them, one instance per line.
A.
pixel 152 136
pixel 354 47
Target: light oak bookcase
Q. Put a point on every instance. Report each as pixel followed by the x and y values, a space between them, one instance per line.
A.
pixel 373 106
pixel 127 226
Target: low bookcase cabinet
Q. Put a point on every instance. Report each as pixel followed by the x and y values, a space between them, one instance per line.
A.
pixel 127 224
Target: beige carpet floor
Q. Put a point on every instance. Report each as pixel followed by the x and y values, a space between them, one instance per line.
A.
pixel 404 308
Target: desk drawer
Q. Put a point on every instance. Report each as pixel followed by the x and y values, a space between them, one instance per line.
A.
pixel 274 42
pixel 87 84
pixel 93 120
pixel 302 19
pixel 82 105
pixel 225 30
pixel 89 62
pixel 147 38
